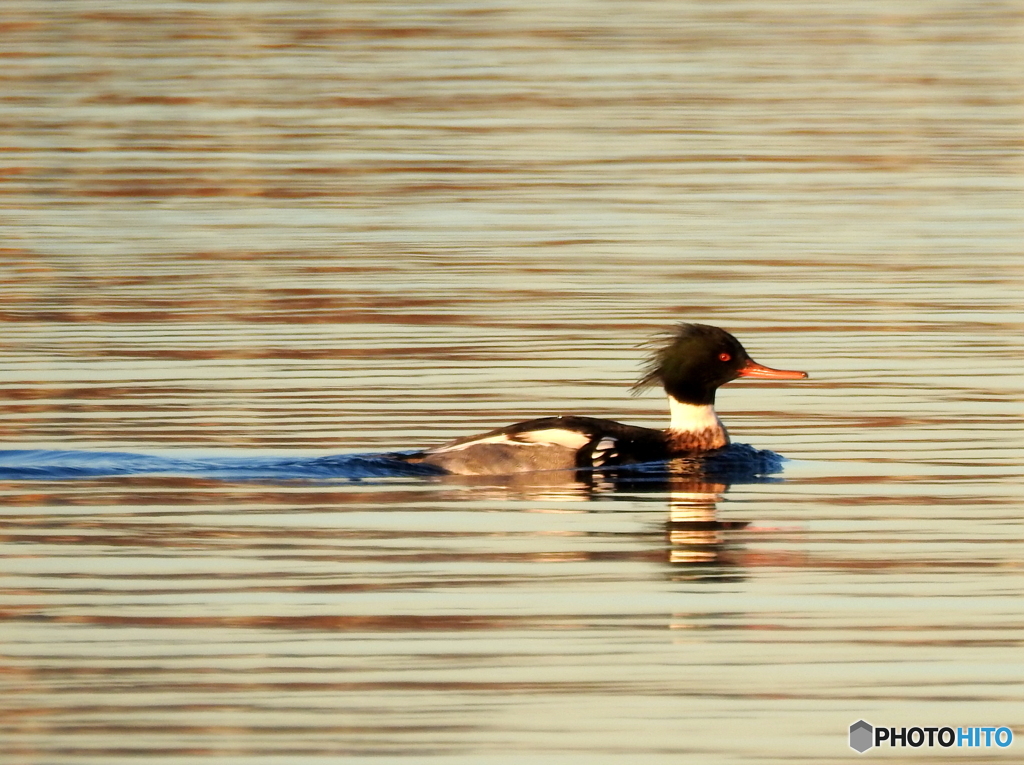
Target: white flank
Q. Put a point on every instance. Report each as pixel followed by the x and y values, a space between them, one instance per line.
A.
pixel 570 439
pixel 693 418
pixel 501 438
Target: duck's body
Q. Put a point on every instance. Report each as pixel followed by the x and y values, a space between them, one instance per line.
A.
pixel 691 367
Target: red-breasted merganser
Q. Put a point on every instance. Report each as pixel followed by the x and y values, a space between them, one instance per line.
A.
pixel 691 366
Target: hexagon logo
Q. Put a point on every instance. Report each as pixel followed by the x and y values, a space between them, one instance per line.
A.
pixel 862 736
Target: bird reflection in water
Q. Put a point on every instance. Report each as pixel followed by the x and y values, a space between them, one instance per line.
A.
pixel 696 536
pixel 698 541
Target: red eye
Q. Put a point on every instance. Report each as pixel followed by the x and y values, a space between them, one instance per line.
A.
pixel 724 357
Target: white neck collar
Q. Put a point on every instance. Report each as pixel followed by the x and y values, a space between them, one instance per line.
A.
pixel 693 418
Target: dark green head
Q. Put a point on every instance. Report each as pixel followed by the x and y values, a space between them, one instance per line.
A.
pixel 697 359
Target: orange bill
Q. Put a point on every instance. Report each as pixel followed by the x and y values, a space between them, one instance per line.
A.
pixel 753 369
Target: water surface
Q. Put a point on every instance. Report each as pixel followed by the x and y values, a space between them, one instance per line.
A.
pixel 291 231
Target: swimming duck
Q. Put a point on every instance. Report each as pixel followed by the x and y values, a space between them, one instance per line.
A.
pixel 695 361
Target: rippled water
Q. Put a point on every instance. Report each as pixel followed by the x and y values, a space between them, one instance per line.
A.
pixel 258 232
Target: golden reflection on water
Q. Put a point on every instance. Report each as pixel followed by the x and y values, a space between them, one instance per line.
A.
pixel 319 228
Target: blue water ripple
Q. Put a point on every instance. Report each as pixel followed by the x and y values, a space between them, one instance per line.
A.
pixel 737 462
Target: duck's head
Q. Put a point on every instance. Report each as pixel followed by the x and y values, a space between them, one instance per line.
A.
pixel 697 359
